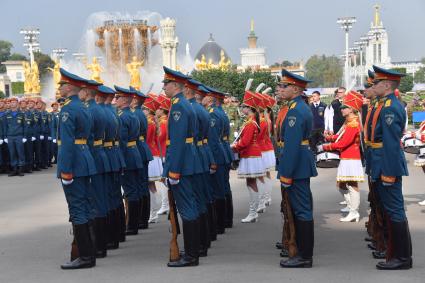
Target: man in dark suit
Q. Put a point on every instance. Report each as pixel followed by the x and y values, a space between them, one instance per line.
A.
pixel 318 109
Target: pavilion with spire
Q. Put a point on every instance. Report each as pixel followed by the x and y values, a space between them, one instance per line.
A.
pixel 253 57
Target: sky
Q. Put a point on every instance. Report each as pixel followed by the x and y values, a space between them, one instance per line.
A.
pixel 290 30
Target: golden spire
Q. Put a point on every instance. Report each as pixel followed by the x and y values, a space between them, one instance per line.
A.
pixel 377 15
pixel 252 25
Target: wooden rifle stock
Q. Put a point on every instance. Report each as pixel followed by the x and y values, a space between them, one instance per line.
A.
pixel 291 236
pixel 175 229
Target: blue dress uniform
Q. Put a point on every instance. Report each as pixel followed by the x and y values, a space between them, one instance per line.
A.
pixel 179 168
pixel 53 134
pixel 201 176
pixel 215 141
pixel 212 165
pixel 37 141
pixel 44 137
pixel 129 135
pixel 99 190
pixel 116 214
pixel 14 132
pixel 228 192
pixel 28 146
pixel 146 156
pixel 388 165
pixel 296 166
pixel 75 166
pixel 1 138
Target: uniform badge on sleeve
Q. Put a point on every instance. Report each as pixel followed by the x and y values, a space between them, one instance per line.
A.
pixel 65 116
pixel 389 118
pixel 212 122
pixel 176 115
pixel 291 121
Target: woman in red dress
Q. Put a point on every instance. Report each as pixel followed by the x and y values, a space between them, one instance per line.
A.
pixel 347 142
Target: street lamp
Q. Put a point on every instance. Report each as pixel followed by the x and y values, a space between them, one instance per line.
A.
pixel 58 53
pixel 346 24
pixel 31 41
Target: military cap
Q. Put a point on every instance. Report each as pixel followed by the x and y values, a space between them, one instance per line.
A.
pixel 370 78
pixel 102 89
pixel 70 78
pixel 92 84
pixel 386 74
pixel 120 91
pixel 203 90
pixel 192 84
pixel 294 79
pixel 138 94
pixel 215 92
pixel 174 76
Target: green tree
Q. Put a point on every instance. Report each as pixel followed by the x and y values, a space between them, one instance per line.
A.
pixel 5 47
pixel 420 75
pixel 406 82
pixel 17 88
pixel 325 71
pixel 44 61
pixel 286 63
pixel 233 82
pixel 2 95
pixel 17 57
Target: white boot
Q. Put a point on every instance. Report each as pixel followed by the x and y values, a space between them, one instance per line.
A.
pixel 153 218
pixel 269 189
pixel 354 206
pixel 422 202
pixel 262 194
pixel 343 202
pixel 163 190
pixel 346 195
pixel 253 205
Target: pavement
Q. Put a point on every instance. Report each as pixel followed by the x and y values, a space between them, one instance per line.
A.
pixel 35 239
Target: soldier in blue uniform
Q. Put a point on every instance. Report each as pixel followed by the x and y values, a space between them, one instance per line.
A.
pixel 129 135
pixel 228 220
pixel 44 134
pixel 215 141
pixel 98 190
pixel 146 156
pixel 28 149
pixel 116 214
pixel 297 165
pixel 75 166
pixel 388 165
pixel 202 169
pixel 179 164
pixel 2 112
pixel 53 131
pixel 14 133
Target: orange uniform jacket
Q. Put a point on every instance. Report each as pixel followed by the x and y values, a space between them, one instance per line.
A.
pixel 348 141
pixel 162 136
pixel 247 145
pixel 152 137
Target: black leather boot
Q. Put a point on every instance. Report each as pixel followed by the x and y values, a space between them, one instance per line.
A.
pixel 145 212
pixel 402 258
pixel 220 210
pixel 229 211
pixel 204 242
pixel 113 230
pixel 14 172
pixel 20 171
pixel 133 219
pixel 122 226
pixel 279 245
pixel 379 255
pixel 191 245
pixel 92 234
pixel 101 233
pixel 85 248
pixel 305 243
pixel 212 221
pixel 284 253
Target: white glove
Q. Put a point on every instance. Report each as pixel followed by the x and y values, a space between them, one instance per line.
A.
pixel 6 140
pixel 67 182
pixel 418 136
pixel 320 147
pixel 385 184
pixel 41 137
pixel 49 138
pixel 24 140
pixel 33 139
pixel 173 181
pixel 212 171
pixel 1 142
pixel 54 140
pixel 285 185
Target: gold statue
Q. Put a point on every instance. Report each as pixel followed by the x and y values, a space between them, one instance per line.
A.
pixel 224 64
pixel 27 75
pixel 35 78
pixel 96 69
pixel 133 68
pixel 201 65
pixel 56 74
pixel 210 64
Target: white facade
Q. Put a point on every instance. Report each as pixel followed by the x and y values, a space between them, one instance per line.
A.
pixel 253 57
pixel 5 85
pixel 169 43
pixel 15 70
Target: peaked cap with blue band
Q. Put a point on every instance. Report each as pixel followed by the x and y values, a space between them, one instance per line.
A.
pixel 72 79
pixel 386 74
pixel 105 90
pixel 174 76
pixel 138 93
pixel 294 79
pixel 124 91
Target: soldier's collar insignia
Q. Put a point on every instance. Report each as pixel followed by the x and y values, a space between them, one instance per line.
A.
pixel 291 121
pixel 176 115
pixel 389 118
pixel 175 100
pixel 388 103
pixel 211 110
pixel 292 106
